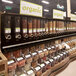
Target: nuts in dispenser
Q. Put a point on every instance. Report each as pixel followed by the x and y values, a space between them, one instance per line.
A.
pixel 43 67
pixel 41 54
pixel 48 65
pixel 35 56
pixel 28 58
pixel 20 61
pixel 30 73
pixel 38 70
pixel 45 52
pixel 12 65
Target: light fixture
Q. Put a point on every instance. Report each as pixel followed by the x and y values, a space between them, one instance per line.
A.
pixel 46 10
pixel 46 2
pixel 60 7
pixel 7 1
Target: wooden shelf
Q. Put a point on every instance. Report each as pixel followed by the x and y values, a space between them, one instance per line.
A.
pixel 3 65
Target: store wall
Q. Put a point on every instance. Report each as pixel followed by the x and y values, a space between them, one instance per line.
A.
pixel 53 5
pixel 73 6
pixel 0 6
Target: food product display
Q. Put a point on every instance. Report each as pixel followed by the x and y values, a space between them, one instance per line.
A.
pixel 35 46
pixel 34 27
pixel 38 60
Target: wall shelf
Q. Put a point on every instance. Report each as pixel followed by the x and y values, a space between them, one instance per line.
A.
pixel 37 41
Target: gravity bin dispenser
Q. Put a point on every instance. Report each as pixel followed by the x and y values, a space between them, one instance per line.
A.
pixel 3 59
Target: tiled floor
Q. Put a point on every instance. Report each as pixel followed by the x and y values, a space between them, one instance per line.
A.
pixel 70 70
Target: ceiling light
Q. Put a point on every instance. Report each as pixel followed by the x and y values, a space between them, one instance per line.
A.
pixel 46 10
pixel 7 1
pixel 46 2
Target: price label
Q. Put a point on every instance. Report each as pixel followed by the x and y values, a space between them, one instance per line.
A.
pixel 45 50
pixel 47 62
pixel 7 30
pixel 37 68
pixel 47 29
pixel 49 48
pixel 17 29
pixel 34 30
pixel 64 53
pixel 52 47
pixel 34 54
pixel 51 60
pixel 61 54
pixel 40 51
pixel 19 59
pixel 42 65
pixel 30 30
pixel 56 45
pixel 24 30
pixel 55 58
pixel 27 56
pixel 38 30
pixel 50 28
pixel 23 75
pixel 43 29
pixel 58 56
pixel 10 62
pixel 54 28
pixel 30 72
